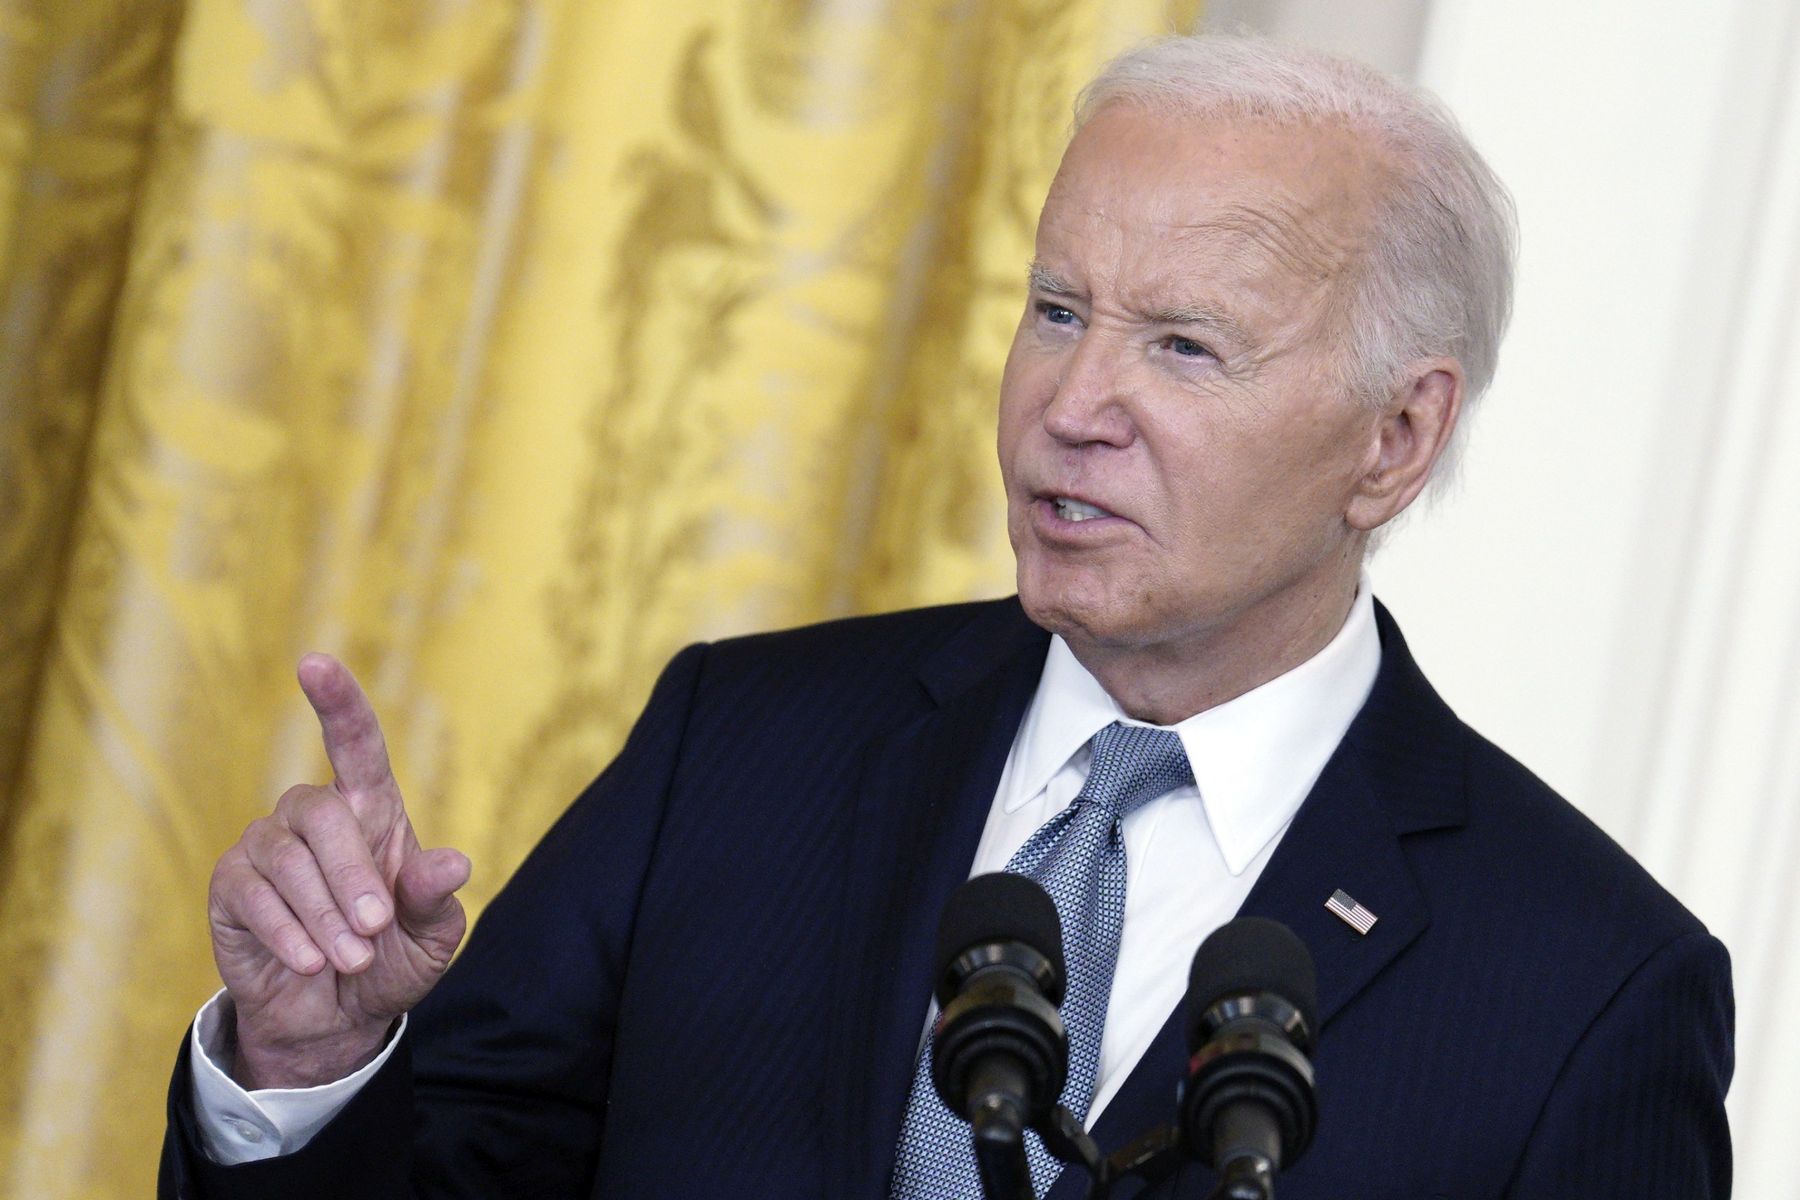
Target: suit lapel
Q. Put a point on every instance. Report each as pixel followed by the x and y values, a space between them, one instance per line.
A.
pixel 918 815
pixel 1398 771
pixel 1339 839
pixel 914 826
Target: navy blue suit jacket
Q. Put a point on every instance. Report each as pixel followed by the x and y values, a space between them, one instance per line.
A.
pixel 709 978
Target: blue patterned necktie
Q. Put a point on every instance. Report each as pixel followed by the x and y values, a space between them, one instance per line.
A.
pixel 1079 858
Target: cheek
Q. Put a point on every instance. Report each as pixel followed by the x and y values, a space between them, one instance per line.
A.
pixel 1327 458
pixel 1306 492
pixel 1021 403
pixel 1249 485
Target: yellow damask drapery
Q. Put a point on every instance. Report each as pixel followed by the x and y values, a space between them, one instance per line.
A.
pixel 500 346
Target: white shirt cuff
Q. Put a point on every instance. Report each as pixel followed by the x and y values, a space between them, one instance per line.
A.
pixel 237 1126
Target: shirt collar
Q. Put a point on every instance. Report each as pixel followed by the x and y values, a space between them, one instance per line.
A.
pixel 1254 757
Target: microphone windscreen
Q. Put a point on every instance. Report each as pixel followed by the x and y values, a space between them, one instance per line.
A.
pixel 1250 954
pixel 999 907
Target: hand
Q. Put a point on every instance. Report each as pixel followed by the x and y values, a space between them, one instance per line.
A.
pixel 328 920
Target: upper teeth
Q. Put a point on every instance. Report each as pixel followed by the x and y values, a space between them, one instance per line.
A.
pixel 1078 510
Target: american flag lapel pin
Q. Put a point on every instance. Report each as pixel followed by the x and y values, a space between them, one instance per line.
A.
pixel 1351 913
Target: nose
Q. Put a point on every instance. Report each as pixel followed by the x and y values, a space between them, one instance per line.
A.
pixel 1088 405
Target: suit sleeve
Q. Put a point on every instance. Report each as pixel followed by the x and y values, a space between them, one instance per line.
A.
pixel 499 1086
pixel 1639 1106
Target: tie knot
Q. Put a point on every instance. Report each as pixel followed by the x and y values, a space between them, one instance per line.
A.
pixel 1133 764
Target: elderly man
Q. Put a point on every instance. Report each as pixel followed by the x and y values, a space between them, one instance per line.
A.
pixel 1267 284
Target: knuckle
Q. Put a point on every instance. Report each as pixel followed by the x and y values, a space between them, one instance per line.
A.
pixel 297 802
pixel 225 898
pixel 321 811
pixel 265 912
pixel 227 869
pixel 261 837
pixel 349 873
pixel 291 859
pixel 323 915
pixel 289 802
pixel 221 897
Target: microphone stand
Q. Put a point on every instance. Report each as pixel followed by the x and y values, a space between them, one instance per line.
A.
pixel 1068 1142
pixel 998 1128
pixel 1000 1150
pixel 1153 1157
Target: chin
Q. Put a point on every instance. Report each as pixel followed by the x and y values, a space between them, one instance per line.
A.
pixel 1082 611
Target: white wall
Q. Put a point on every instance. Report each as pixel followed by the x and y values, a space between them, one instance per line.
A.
pixel 1384 33
pixel 1614 595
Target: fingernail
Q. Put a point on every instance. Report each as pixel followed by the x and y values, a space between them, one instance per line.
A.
pixel 310 960
pixel 353 952
pixel 370 911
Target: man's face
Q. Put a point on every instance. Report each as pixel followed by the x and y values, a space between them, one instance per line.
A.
pixel 1172 377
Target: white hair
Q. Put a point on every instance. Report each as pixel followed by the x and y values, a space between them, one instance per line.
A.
pixel 1438 279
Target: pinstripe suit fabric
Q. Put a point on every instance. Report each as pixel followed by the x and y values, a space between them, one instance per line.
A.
pixel 708 980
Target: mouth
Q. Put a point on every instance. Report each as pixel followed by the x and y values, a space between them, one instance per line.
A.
pixel 1074 521
pixel 1070 509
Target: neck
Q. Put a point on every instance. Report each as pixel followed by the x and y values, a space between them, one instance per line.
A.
pixel 1167 682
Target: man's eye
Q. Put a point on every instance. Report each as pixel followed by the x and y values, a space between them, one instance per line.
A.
pixel 1188 347
pixel 1056 314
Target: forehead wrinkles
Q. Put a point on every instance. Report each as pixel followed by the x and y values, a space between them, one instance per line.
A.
pixel 1310 245
pixel 1158 250
pixel 1294 262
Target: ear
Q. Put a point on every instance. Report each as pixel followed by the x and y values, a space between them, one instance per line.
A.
pixel 1414 429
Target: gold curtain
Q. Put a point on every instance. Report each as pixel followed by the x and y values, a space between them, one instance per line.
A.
pixel 499 346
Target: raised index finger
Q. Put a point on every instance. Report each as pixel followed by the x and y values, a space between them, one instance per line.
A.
pixel 352 735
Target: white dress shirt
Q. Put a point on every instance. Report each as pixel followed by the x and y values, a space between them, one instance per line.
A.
pixel 1192 856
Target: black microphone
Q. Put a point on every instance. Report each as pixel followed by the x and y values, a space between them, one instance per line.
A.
pixel 1248 1106
pixel 999 1053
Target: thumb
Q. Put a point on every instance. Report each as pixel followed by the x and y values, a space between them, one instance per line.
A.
pixel 425 895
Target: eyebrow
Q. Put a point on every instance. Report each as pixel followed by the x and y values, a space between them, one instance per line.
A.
pixel 1043 279
pixel 1198 314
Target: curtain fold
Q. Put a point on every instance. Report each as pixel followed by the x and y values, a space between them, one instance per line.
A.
pixel 499 347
